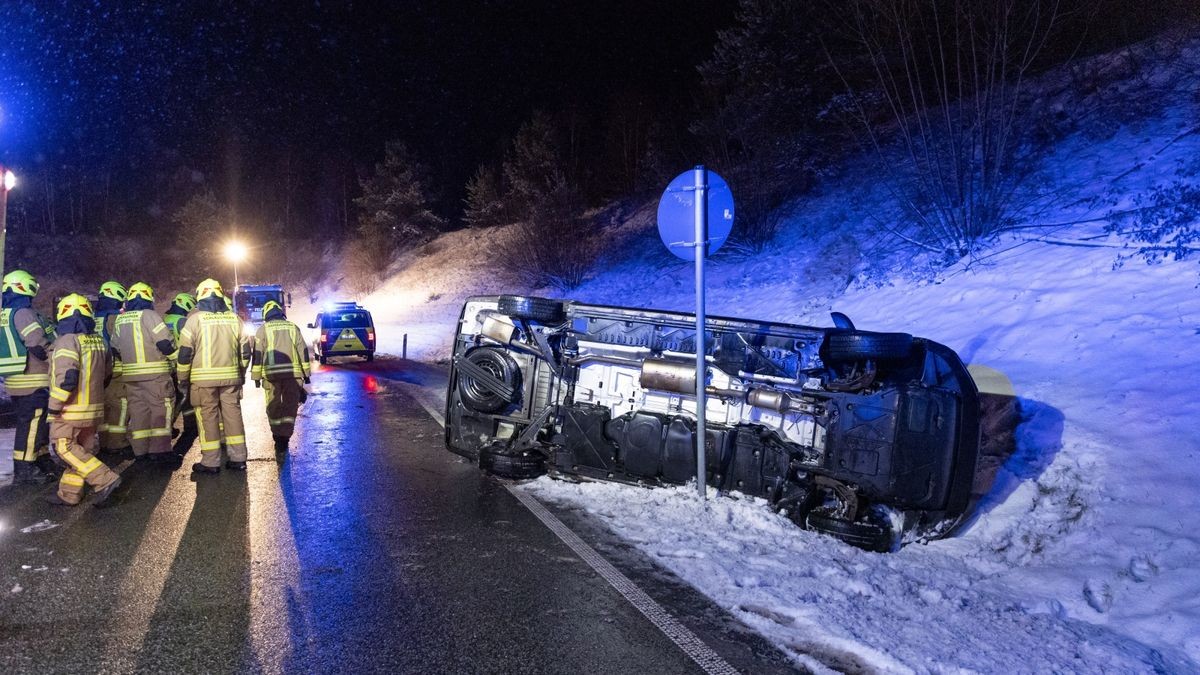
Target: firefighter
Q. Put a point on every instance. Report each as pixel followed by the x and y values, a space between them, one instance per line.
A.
pixel 142 345
pixel 181 306
pixel 281 359
pixel 113 431
pixel 25 367
pixel 213 356
pixel 78 369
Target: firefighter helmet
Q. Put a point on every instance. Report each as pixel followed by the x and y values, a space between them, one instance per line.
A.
pixel 114 290
pixel 209 287
pixel 141 290
pixel 185 301
pixel 270 305
pixel 21 283
pixel 74 303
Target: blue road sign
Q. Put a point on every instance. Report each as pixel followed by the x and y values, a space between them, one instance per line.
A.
pixel 677 214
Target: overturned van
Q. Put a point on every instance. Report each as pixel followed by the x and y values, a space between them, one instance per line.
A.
pixel 869 437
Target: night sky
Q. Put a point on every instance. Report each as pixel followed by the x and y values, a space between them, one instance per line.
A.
pixel 231 90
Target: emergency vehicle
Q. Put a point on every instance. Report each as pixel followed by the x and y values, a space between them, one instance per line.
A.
pixel 346 329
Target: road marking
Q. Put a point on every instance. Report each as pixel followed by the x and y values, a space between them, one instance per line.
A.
pixel 687 641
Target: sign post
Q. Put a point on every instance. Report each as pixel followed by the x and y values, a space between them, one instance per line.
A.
pixel 685 227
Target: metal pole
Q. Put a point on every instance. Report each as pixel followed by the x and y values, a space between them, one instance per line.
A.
pixel 404 348
pixel 3 217
pixel 235 278
pixel 701 196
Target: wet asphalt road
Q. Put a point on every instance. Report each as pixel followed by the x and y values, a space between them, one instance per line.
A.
pixel 368 548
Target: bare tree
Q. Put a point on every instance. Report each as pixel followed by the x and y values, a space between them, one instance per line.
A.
pixel 937 96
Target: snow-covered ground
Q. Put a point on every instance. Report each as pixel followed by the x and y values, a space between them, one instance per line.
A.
pixel 1085 556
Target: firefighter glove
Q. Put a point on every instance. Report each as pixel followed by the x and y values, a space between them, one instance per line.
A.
pixel 258 384
pixel 38 352
pixel 303 395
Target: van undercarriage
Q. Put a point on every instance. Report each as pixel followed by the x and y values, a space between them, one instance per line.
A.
pixel 872 438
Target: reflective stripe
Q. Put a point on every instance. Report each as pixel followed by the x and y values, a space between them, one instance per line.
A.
pixel 11 365
pixel 149 433
pixel 215 373
pixel 29 329
pixel 30 380
pixel 90 466
pixel 63 351
pixel 148 368
pixel 210 446
pixel 72 479
pixel 31 439
pixel 64 453
pixel 282 420
pixel 235 440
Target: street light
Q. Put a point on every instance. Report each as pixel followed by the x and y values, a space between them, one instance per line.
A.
pixel 10 181
pixel 235 252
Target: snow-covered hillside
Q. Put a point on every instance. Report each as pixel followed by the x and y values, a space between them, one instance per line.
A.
pixel 1084 557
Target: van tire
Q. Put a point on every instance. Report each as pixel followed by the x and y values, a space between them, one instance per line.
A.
pixel 500 461
pixel 541 310
pixel 858 345
pixel 477 396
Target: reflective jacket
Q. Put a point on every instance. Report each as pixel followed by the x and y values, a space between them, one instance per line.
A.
pixel 141 343
pixel 175 323
pixel 212 350
pixel 24 330
pixel 280 352
pixel 79 364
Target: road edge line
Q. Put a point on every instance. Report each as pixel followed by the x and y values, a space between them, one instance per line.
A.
pixel 687 641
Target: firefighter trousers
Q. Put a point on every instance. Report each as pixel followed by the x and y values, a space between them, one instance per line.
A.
pixel 32 434
pixel 74 443
pixel 183 410
pixel 151 412
pixel 283 400
pixel 114 430
pixel 219 417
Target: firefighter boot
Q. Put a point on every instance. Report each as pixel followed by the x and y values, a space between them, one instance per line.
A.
pixel 200 468
pixel 103 498
pixel 29 473
pixel 235 466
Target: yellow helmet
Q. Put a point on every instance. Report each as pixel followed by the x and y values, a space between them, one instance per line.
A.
pixel 186 301
pixel 141 290
pixel 21 283
pixel 270 305
pixel 209 287
pixel 114 290
pixel 74 303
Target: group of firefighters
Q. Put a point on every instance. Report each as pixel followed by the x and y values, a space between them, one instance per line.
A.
pixel 116 376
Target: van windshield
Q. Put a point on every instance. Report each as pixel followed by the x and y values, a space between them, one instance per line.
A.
pixel 346 320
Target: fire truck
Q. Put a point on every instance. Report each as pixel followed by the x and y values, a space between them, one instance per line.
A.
pixel 248 301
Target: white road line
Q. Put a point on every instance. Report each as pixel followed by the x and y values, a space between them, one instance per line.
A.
pixel 685 639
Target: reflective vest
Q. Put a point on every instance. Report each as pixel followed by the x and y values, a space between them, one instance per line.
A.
pixel 88 355
pixel 280 352
pixel 21 329
pixel 135 340
pixel 214 349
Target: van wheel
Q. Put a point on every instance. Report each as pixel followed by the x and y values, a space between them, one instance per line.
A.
pixel 541 310
pixel 498 460
pixel 476 392
pixel 370 357
pixel 860 345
